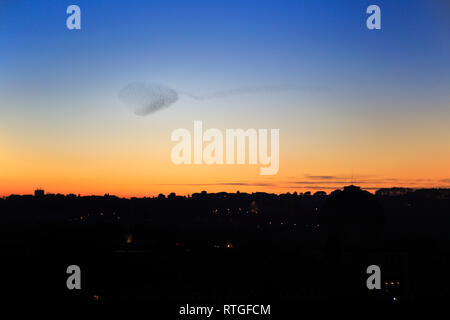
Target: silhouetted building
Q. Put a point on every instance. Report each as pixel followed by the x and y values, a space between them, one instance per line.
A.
pixel 393 191
pixel 39 193
pixel 353 218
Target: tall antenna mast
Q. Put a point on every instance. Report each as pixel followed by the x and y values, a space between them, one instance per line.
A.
pixel 352 176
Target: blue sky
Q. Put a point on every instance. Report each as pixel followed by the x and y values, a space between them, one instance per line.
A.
pixel 200 44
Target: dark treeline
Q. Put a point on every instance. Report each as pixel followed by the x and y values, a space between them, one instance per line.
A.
pixel 229 246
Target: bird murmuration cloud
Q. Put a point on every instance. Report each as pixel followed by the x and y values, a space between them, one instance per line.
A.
pixel 145 99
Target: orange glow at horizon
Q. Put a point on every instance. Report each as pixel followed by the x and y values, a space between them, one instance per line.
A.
pixel 131 157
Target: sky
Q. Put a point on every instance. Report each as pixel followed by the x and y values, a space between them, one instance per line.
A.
pixel 373 108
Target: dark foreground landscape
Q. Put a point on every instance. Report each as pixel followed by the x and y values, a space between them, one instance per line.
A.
pixel 223 248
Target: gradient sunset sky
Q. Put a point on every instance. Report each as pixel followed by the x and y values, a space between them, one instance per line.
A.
pixel 382 119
